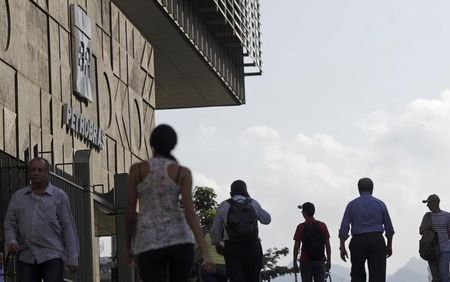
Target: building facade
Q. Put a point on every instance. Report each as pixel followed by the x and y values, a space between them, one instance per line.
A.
pixel 81 80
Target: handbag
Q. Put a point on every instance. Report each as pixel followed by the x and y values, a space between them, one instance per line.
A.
pixel 429 243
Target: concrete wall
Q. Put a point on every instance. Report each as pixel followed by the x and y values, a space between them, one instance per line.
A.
pixel 36 80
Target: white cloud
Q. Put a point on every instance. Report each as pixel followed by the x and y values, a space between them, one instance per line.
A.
pixel 407 157
pixel 377 122
pixel 420 132
pixel 264 133
pixel 258 135
pixel 202 180
pixel 206 135
pixel 420 116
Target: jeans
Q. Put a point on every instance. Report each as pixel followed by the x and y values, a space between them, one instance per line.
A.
pixel 312 270
pixel 440 268
pixel 243 260
pixel 50 271
pixel 173 263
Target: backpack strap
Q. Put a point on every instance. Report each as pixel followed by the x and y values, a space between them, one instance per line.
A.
pixel 429 221
pixel 231 201
pixel 313 227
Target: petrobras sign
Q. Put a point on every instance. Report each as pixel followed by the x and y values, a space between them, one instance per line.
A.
pixel 83 127
pixel 81 53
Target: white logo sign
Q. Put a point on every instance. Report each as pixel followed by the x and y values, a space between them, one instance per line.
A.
pixel 81 53
pixel 84 127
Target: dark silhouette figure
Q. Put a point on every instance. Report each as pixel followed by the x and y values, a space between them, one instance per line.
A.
pixel 164 235
pixel 438 221
pixel 236 224
pixel 313 238
pixel 368 218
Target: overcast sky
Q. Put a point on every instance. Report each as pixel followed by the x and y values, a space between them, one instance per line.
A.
pixel 350 89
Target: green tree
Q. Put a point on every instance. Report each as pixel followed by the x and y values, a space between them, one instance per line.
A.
pixel 270 268
pixel 205 204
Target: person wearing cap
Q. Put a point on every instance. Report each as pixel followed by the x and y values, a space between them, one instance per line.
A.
pixel 243 259
pixel 313 238
pixel 440 223
pixel 369 219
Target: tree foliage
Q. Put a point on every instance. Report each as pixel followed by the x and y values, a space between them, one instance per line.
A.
pixel 270 268
pixel 205 204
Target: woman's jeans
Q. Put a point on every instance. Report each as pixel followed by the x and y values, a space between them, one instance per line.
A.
pixel 174 261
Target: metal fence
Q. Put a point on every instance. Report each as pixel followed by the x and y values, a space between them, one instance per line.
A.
pixel 13 175
pixel 81 211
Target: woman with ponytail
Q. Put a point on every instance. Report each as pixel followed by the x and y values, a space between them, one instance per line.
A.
pixel 162 236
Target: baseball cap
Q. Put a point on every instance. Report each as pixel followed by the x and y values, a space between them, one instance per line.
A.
pixel 307 208
pixel 432 198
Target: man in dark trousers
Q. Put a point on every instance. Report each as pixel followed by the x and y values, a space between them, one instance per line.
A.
pixel 313 238
pixel 236 224
pixel 369 219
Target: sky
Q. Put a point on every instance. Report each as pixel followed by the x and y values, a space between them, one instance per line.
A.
pixel 350 89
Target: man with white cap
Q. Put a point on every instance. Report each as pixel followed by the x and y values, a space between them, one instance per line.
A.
pixel 440 223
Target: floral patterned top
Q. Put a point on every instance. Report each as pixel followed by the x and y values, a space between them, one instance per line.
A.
pixel 161 222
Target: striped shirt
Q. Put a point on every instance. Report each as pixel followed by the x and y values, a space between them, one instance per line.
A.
pixel 441 224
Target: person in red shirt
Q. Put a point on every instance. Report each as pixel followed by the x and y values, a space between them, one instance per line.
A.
pixel 313 238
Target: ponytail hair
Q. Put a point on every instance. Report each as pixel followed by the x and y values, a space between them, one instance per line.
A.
pixel 163 140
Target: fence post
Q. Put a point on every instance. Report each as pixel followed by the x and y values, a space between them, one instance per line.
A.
pixel 124 272
pixel 82 170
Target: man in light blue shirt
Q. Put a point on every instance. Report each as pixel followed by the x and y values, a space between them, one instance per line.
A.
pixel 369 219
pixel 39 228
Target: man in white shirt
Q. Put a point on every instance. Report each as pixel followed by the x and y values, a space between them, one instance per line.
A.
pixel 236 224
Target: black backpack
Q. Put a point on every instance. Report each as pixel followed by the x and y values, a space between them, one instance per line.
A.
pixel 242 222
pixel 313 241
pixel 429 244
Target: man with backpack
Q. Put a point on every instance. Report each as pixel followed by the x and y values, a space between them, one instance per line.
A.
pixel 313 238
pixel 236 224
pixel 436 222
